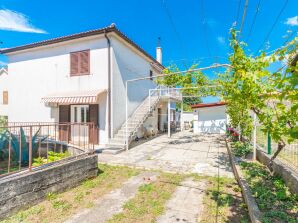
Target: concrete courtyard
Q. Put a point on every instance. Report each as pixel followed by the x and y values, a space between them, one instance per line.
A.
pixel 184 152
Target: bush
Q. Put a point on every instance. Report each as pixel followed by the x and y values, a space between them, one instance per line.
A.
pixel 241 149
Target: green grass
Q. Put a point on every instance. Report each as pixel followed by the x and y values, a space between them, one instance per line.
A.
pixel 273 197
pixel 58 207
pixel 150 200
pixel 223 201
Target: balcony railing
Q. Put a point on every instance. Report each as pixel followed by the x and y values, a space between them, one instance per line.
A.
pixel 27 145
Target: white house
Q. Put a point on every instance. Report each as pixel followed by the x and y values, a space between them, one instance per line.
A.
pixel 209 117
pixel 79 78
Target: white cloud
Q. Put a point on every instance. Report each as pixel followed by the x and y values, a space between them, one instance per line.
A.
pixel 15 21
pixel 221 40
pixel 293 21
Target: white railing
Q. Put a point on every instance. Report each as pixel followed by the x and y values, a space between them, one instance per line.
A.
pixel 162 91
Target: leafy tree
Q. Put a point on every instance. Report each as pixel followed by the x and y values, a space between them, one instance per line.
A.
pixel 249 85
pixel 193 83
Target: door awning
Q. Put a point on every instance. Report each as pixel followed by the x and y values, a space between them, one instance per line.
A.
pixel 74 97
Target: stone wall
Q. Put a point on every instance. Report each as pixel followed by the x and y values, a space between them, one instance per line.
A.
pixel 25 190
pixel 286 173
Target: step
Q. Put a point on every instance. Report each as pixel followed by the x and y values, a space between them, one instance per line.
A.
pixel 114 149
pixel 123 132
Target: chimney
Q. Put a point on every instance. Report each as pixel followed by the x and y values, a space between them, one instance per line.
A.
pixel 159 52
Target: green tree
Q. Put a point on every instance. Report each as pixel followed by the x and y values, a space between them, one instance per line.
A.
pixel 249 85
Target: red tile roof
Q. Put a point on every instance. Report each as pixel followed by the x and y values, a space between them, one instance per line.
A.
pixel 206 105
pixel 109 29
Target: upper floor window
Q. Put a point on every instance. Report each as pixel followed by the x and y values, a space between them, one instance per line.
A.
pixel 5 98
pixel 80 63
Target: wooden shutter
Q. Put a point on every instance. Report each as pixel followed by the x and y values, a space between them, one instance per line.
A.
pixel 5 97
pixel 84 62
pixel 64 116
pixel 93 136
pixel 74 63
pixel 80 63
pixel 64 113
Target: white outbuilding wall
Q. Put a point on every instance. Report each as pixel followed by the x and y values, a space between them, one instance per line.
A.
pixel 210 120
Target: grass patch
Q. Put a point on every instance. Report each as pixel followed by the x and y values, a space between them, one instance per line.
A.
pixel 150 200
pixel 58 207
pixel 272 195
pixel 223 201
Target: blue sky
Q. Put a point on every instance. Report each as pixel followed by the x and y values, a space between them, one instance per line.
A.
pixel 191 31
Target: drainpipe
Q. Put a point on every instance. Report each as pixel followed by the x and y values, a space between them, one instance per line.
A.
pixel 109 85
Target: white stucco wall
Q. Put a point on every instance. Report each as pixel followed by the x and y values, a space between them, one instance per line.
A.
pixel 3 87
pixel 126 65
pixel 46 70
pixel 210 120
pixel 187 116
pixel 41 71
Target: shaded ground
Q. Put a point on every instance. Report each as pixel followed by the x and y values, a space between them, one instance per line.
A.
pixel 184 152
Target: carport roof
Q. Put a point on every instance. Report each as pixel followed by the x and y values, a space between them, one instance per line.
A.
pixel 206 105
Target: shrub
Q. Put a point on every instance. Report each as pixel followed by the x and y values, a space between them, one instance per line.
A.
pixel 241 149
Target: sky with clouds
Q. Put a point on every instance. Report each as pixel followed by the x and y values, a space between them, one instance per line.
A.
pixel 191 31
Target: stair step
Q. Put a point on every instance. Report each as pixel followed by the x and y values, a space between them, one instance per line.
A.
pixel 114 149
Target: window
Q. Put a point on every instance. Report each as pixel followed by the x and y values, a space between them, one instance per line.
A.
pixel 5 97
pixel 151 75
pixel 80 63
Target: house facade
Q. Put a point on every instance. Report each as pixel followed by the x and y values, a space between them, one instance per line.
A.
pixel 209 118
pixel 78 78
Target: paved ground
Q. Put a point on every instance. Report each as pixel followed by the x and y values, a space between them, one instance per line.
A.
pixel 184 152
pixel 185 204
pixel 110 204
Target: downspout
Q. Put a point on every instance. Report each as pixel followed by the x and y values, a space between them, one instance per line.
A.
pixel 109 85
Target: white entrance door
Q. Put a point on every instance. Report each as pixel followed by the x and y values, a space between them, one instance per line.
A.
pixel 79 132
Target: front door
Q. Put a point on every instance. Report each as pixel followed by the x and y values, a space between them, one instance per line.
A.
pixel 79 133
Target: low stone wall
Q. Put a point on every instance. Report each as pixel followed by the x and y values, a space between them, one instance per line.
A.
pixel 286 173
pixel 254 212
pixel 25 190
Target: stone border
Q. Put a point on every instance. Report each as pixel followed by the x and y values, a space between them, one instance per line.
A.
pixel 253 209
pixel 25 190
pixel 280 169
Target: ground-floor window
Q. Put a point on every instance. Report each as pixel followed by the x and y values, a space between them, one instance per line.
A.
pixel 80 113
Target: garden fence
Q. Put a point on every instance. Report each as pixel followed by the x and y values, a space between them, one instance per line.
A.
pixel 289 155
pixel 24 146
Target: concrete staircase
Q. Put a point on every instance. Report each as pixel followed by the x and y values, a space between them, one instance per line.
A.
pixel 134 122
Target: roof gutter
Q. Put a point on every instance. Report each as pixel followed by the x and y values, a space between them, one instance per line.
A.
pixel 109 85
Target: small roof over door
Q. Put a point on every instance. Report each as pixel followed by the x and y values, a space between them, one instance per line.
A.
pixel 74 97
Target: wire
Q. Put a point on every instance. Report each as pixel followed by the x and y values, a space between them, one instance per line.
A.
pixel 254 20
pixel 243 18
pixel 290 36
pixel 163 4
pixel 197 59
pixel 274 24
pixel 204 28
pixel 238 12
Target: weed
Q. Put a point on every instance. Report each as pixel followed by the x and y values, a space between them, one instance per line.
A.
pixel 271 193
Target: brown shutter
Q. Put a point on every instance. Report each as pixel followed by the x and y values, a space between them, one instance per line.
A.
pixel 5 97
pixel 74 63
pixel 64 116
pixel 93 109
pixel 64 113
pixel 84 62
